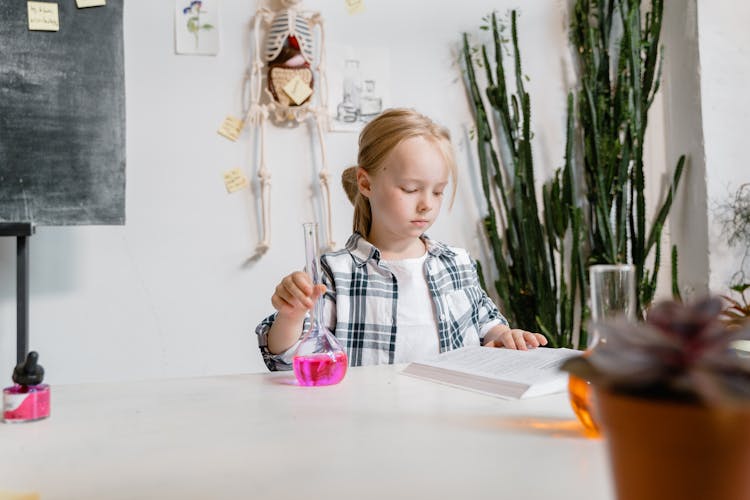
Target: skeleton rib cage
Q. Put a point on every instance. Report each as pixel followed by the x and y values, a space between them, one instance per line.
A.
pixel 288 23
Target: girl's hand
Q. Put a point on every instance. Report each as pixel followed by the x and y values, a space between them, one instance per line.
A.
pixel 504 336
pixel 295 295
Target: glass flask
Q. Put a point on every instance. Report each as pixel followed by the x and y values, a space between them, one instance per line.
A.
pixel 319 359
pixel 612 294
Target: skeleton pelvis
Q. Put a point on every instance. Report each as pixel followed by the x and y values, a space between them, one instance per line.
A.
pixel 278 76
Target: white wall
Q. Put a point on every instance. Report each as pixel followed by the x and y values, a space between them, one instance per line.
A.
pixel 725 73
pixel 171 293
pixel 706 105
pixel 683 135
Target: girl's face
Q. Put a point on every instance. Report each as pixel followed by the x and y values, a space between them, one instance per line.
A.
pixel 407 192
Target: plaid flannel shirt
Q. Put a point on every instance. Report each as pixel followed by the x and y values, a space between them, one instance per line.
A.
pixel 362 297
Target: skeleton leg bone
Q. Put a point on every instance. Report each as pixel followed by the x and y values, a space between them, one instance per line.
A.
pixel 323 177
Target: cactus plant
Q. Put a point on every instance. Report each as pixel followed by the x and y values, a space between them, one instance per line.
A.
pixel 619 65
pixel 542 255
pixel 538 281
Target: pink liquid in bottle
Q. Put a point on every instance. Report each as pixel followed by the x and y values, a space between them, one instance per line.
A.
pixel 22 403
pixel 320 369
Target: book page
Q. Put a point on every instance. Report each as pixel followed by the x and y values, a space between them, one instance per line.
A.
pixel 526 367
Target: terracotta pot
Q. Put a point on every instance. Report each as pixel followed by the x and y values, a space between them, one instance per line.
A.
pixel 671 451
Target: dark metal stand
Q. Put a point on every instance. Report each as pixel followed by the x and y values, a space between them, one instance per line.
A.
pixel 22 231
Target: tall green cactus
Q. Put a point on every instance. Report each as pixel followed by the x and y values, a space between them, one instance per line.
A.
pixel 535 285
pixel 619 68
pixel 542 257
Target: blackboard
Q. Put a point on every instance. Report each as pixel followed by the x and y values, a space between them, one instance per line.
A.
pixel 62 116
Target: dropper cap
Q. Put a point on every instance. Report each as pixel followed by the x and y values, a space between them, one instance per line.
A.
pixel 29 372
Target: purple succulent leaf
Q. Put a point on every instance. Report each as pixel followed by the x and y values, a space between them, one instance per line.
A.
pixel 684 321
pixel 719 347
pixel 727 361
pixel 719 389
pixel 629 367
pixel 715 336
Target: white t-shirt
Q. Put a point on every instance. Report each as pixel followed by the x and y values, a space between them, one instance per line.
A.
pixel 417 336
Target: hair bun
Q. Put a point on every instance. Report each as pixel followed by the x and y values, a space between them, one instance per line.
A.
pixel 349 181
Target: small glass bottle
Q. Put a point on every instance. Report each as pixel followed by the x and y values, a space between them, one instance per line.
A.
pixel 581 400
pixel 28 399
pixel 319 359
pixel 612 294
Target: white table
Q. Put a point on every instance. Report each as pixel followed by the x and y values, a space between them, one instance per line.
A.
pixel 377 435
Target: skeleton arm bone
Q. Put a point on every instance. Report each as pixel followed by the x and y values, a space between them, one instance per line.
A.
pixel 254 110
pixel 316 19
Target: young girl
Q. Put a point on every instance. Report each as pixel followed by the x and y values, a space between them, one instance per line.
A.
pixel 392 294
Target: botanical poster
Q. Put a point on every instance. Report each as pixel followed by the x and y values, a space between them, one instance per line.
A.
pixel 196 27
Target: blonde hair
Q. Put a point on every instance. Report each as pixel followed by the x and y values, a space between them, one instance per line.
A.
pixel 377 140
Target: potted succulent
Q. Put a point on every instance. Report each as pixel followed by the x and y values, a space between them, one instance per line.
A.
pixel 673 399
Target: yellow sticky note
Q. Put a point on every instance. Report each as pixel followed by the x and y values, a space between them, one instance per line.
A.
pixel 82 4
pixel 355 6
pixel 43 16
pixel 297 90
pixel 234 180
pixel 231 128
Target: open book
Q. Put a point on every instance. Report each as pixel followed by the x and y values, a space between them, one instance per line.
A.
pixel 499 372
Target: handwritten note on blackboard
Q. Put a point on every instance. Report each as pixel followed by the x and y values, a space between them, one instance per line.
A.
pixel 43 16
pixel 82 4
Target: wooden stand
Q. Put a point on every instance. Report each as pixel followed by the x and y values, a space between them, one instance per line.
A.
pixel 21 230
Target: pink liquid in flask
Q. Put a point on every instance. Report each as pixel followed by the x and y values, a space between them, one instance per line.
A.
pixel 320 369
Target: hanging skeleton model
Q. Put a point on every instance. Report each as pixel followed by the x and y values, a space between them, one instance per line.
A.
pixel 286 59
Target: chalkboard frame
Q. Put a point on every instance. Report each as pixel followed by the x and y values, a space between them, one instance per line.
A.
pixel 62 117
